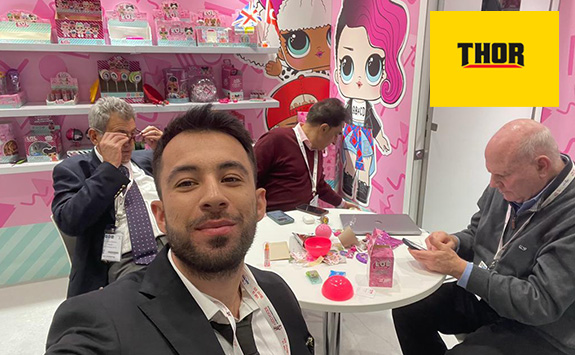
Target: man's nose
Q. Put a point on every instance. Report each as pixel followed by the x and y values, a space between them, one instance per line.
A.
pixel 213 197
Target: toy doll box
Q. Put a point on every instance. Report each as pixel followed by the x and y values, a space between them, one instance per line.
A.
pixel 13 101
pixel 43 142
pixel 380 266
pixel 19 26
pixel 128 26
pixel 66 86
pixel 8 145
pixel 174 26
pixel 79 22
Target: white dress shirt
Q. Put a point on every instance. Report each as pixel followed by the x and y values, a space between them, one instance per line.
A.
pixel 147 189
pixel 264 336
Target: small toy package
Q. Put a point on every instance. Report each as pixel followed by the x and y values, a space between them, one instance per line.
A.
pixel 8 145
pixel 244 32
pixel 43 142
pixel 19 26
pixel 380 263
pixel 176 80
pixel 128 26
pixel 201 84
pixel 210 32
pixel 79 22
pixel 174 25
pixel 121 78
pixel 11 93
pixel 64 90
pixel 232 84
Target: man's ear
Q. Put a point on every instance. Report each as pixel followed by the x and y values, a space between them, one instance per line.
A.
pixel 93 136
pixel 324 127
pixel 543 165
pixel 158 211
pixel 261 203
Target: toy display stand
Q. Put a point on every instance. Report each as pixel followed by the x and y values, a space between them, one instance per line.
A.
pixel 128 26
pixel 79 22
pixel 14 100
pixel 174 26
pixel 121 78
pixel 64 90
pixel 19 26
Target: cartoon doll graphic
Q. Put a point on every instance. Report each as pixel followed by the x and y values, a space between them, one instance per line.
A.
pixel 369 40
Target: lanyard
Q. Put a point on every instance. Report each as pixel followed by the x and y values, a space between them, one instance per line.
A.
pixel 501 247
pixel 313 176
pixel 250 285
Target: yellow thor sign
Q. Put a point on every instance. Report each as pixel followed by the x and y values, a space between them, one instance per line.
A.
pixel 494 58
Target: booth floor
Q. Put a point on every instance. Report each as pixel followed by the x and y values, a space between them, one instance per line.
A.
pixel 26 312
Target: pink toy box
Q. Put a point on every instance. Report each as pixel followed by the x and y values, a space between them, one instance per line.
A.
pixel 13 101
pixel 8 145
pixel 43 142
pixel 174 25
pixel 232 83
pixel 79 22
pixel 176 80
pixel 380 262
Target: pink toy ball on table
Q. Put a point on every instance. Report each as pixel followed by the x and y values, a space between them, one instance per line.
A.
pixel 337 288
pixel 317 246
pixel 323 230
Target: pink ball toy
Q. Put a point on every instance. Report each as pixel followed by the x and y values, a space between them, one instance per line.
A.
pixel 337 288
pixel 323 230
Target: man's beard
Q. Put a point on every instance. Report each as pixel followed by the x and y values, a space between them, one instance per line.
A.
pixel 213 264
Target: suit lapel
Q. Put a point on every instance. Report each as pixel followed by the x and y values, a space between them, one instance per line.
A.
pixel 174 312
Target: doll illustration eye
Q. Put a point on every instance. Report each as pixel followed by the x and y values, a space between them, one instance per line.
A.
pixel 297 43
pixel 346 69
pixel 329 37
pixel 374 68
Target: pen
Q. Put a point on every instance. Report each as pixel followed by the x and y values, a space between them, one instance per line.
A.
pixel 267 254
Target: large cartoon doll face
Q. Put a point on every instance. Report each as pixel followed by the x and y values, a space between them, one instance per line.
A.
pixel 360 67
pixel 307 49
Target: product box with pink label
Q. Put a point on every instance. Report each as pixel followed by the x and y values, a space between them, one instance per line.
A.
pixel 43 142
pixel 380 262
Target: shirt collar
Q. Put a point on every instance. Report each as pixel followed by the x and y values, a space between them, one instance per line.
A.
pixel 206 302
pixel 303 136
pixel 522 207
pixel 101 158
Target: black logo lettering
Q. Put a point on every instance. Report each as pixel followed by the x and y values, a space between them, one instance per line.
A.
pixel 492 55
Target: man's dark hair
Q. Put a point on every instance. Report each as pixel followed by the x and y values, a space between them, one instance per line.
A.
pixel 330 111
pixel 203 119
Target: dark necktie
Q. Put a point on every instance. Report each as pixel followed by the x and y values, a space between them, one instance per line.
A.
pixel 144 246
pixel 244 334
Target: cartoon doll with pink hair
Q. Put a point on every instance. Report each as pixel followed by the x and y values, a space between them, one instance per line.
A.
pixel 369 40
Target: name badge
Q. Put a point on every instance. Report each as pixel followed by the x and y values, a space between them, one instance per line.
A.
pixel 112 249
pixel 483 265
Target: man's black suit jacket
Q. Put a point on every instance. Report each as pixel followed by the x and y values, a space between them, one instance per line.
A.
pixel 151 312
pixel 83 206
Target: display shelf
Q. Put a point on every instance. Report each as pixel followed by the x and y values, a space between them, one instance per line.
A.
pixel 53 47
pixel 40 109
pixel 27 167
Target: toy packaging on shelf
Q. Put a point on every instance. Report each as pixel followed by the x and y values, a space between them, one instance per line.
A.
pixel 11 94
pixel 244 27
pixel 79 22
pixel 128 26
pixel 176 80
pixel 43 142
pixel 174 25
pixel 202 85
pixel 232 84
pixel 19 26
pixel 64 90
pixel 8 145
pixel 210 32
pixel 126 79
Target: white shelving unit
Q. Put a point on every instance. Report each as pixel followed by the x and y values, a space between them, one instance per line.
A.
pixel 27 167
pixel 53 47
pixel 41 109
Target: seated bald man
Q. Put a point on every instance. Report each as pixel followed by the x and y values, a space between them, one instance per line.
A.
pixel 514 264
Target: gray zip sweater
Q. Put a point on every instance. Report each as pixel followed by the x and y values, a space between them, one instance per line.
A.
pixel 534 281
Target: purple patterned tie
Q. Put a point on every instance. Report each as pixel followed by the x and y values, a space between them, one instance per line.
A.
pixel 144 246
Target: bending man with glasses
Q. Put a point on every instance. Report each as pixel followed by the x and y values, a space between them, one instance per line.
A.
pixel 103 199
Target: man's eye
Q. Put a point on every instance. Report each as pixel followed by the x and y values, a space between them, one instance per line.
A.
pixel 231 179
pixel 185 183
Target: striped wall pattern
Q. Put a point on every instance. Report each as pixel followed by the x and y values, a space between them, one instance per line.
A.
pixel 31 253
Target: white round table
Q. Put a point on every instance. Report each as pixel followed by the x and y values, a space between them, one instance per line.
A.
pixel 411 282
